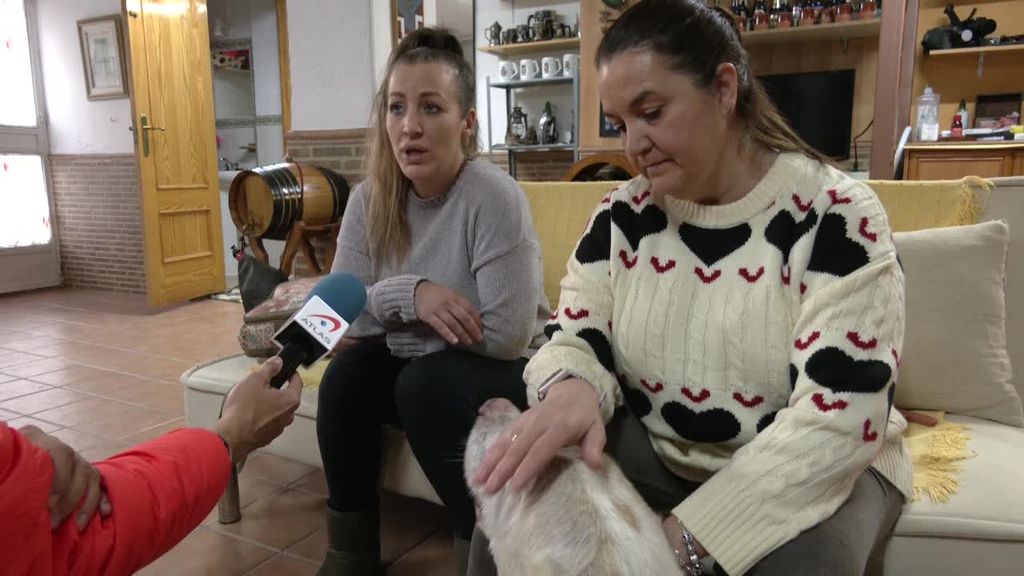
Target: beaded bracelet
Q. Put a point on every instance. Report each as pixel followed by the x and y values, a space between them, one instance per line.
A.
pixel 690 563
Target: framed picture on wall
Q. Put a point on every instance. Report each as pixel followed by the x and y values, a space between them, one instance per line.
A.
pixel 407 16
pixel 103 57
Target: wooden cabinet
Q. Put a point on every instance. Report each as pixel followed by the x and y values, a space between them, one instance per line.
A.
pixel 944 161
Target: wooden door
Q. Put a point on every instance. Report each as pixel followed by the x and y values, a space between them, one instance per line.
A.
pixel 175 142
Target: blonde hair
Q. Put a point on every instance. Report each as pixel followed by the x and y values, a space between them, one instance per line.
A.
pixel 387 227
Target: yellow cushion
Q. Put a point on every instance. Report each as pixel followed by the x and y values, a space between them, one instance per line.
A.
pixel 561 211
pixel 915 205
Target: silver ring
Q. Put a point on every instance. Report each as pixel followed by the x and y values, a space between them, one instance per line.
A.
pixel 514 436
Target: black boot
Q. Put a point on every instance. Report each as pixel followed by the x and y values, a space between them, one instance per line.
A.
pixel 353 544
pixel 462 556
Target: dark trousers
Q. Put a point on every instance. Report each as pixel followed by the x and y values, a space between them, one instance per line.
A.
pixel 435 398
pixel 841 545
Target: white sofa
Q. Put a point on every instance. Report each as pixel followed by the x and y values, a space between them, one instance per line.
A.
pixel 979 531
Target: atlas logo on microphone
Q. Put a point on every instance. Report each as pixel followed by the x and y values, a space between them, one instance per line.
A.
pixel 329 323
pixel 321 322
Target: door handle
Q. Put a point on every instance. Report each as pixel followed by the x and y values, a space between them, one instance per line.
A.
pixel 145 130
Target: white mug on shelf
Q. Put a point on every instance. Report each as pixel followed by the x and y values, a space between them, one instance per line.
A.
pixel 528 68
pixel 551 67
pixel 570 65
pixel 507 70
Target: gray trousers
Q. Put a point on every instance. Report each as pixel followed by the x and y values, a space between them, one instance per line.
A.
pixel 844 544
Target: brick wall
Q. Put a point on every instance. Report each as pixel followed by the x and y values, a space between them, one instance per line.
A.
pixel 99 221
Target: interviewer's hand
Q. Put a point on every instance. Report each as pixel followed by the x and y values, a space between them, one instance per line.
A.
pixel 255 412
pixel 568 416
pixel 73 480
pixel 449 313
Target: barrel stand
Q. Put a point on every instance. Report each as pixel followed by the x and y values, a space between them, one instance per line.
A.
pixel 298 238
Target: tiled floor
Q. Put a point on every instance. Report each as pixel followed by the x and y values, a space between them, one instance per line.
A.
pixel 100 371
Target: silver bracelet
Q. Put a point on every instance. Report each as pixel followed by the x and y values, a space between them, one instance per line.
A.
pixel 686 555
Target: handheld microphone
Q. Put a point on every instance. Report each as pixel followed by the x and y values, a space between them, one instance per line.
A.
pixel 333 304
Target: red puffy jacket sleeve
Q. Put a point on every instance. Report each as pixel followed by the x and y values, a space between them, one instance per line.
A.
pixel 159 490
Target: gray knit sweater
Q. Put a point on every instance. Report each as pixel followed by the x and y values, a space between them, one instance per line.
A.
pixel 477 239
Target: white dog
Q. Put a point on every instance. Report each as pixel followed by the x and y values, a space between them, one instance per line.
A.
pixel 571 520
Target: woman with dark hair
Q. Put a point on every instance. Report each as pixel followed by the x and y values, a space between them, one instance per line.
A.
pixel 733 316
pixel 455 303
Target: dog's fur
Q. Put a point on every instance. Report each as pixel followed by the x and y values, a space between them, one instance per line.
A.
pixel 571 520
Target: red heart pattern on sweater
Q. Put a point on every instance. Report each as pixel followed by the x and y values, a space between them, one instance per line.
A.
pixel 800 205
pixel 638 200
pixel 749 403
pixel 751 277
pixel 707 278
pixel 662 268
pixel 577 315
pixel 819 400
pixel 869 434
pixel 806 343
pixel 626 261
pixel 697 398
pixel 864 230
pixel 652 388
pixel 855 339
pixel 836 199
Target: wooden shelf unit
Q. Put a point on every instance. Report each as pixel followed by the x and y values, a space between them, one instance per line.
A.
pixel 507 51
pixel 977 50
pixel 817 33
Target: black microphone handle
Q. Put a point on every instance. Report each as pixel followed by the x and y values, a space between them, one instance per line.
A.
pixel 293 353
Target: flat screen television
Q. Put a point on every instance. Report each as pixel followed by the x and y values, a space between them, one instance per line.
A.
pixel 818 105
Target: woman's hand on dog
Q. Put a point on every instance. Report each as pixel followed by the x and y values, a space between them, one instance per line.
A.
pixel 568 416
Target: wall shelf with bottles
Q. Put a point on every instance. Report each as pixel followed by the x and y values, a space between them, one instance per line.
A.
pixel 817 33
pixel 522 48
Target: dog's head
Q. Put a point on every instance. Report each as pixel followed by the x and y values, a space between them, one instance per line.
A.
pixel 492 420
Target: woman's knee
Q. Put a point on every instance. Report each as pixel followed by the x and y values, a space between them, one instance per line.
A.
pixel 431 381
pixel 343 383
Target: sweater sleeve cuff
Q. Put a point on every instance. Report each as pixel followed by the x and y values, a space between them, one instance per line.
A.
pixel 735 529
pixel 394 298
pixel 550 360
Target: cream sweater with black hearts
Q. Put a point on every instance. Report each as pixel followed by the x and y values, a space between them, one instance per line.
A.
pixel 758 341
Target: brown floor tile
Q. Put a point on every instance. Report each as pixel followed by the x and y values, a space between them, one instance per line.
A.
pixel 74 374
pixel 275 469
pixel 36 368
pixel 25 421
pixel 315 483
pixel 78 440
pixel 127 421
pixel 398 536
pixel 10 335
pixel 104 450
pixel 13 358
pixel 205 552
pixel 154 432
pixel 16 388
pixel 282 565
pixel 42 401
pixel 29 345
pixel 434 557
pixel 250 489
pixel 278 520
pixel 86 411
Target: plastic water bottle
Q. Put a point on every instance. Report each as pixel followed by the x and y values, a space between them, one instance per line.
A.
pixel 928 116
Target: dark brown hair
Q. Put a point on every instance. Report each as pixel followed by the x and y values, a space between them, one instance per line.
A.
pixel 387 227
pixel 696 40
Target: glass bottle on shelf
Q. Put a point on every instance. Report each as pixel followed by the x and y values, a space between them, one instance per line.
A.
pixel 844 11
pixel 956 131
pixel 761 18
pixel 784 15
pixel 744 14
pixel 517 127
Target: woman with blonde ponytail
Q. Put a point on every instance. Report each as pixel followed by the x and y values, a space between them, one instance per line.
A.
pixel 455 303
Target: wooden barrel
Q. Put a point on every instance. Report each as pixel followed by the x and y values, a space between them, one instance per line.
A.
pixel 266 201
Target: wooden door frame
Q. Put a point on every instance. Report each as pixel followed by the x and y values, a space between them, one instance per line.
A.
pixel 894 83
pixel 284 63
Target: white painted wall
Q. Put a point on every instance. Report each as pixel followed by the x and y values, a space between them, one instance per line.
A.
pixel 76 125
pixel 510 14
pixel 331 50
